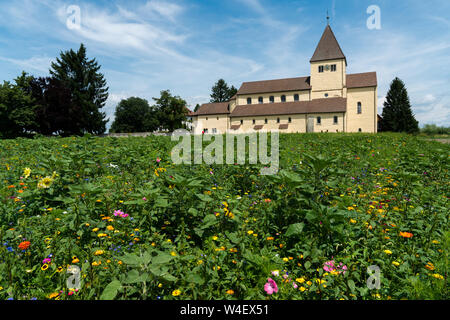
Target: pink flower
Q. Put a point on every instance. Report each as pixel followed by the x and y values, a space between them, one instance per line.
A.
pixel 158 160
pixel 271 286
pixel 46 260
pixel 295 285
pixel 329 266
pixel 144 198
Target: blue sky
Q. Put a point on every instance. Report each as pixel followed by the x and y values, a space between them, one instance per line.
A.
pixel 186 46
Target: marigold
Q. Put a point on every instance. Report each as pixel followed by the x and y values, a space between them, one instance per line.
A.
pixel 230 291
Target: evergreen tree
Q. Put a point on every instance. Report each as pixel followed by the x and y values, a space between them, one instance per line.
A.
pixel 221 92
pixel 171 111
pixel 88 89
pixel 397 114
pixel 55 111
pixel 196 107
pixel 134 115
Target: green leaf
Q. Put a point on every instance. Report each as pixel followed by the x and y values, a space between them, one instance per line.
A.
pixel 162 258
pixel 351 285
pixel 110 291
pixel 195 278
pixel 131 259
pixel 295 229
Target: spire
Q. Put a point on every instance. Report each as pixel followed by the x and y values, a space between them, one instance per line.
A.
pixel 328 47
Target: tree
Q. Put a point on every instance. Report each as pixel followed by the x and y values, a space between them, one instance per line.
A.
pixel 196 107
pixel 397 114
pixel 134 115
pixel 221 92
pixel 55 111
pixel 16 108
pixel 171 111
pixel 87 86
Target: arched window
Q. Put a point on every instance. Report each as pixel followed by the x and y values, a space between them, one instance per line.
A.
pixel 272 99
pixel 242 122
pixel 265 121
pixel 249 100
pixel 278 120
pixel 296 97
pixel 290 120
pixel 319 120
pixel 359 107
pixel 254 121
pixel 283 98
pixel 260 100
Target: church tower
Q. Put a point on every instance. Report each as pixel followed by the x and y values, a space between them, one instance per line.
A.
pixel 328 68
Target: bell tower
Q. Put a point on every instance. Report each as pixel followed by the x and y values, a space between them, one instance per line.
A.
pixel 328 67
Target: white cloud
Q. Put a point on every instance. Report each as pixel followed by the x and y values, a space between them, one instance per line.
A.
pixel 39 63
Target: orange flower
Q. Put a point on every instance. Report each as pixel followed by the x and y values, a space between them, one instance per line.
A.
pixel 24 245
pixel 406 234
pixel 11 186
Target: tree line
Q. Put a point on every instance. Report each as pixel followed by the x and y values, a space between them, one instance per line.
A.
pixel 67 102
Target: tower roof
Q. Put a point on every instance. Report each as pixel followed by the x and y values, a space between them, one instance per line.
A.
pixel 328 48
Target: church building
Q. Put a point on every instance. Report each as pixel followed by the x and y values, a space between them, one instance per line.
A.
pixel 328 100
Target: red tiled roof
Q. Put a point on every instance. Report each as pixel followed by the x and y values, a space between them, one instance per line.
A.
pixel 328 48
pixel 297 107
pixel 266 86
pixel 361 80
pixel 213 108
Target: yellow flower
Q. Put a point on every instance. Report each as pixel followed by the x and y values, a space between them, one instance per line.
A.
pixel 110 228
pixel 269 238
pixel 285 259
pixel 45 183
pixel 388 251
pixel 438 276
pixel 75 260
pixel 302 288
pixel 300 280
pixel 249 232
pixel 99 252
pixel 95 229
pixel 101 235
pixel 173 254
pixel 352 221
pixel 230 291
pixel 215 238
pixel 26 173
pixel 96 263
pixel 429 266
pixel 309 283
pixel 199 262
pixel 160 285
pixel 53 295
pixel 176 293
pixel 395 263
pixel 44 267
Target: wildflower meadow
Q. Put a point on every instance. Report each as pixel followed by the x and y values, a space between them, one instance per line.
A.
pixel 347 216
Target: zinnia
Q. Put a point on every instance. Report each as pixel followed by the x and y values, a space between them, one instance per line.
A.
pixel 271 286
pixel 406 234
pixel 24 245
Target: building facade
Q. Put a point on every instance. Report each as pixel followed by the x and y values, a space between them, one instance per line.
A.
pixel 329 100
